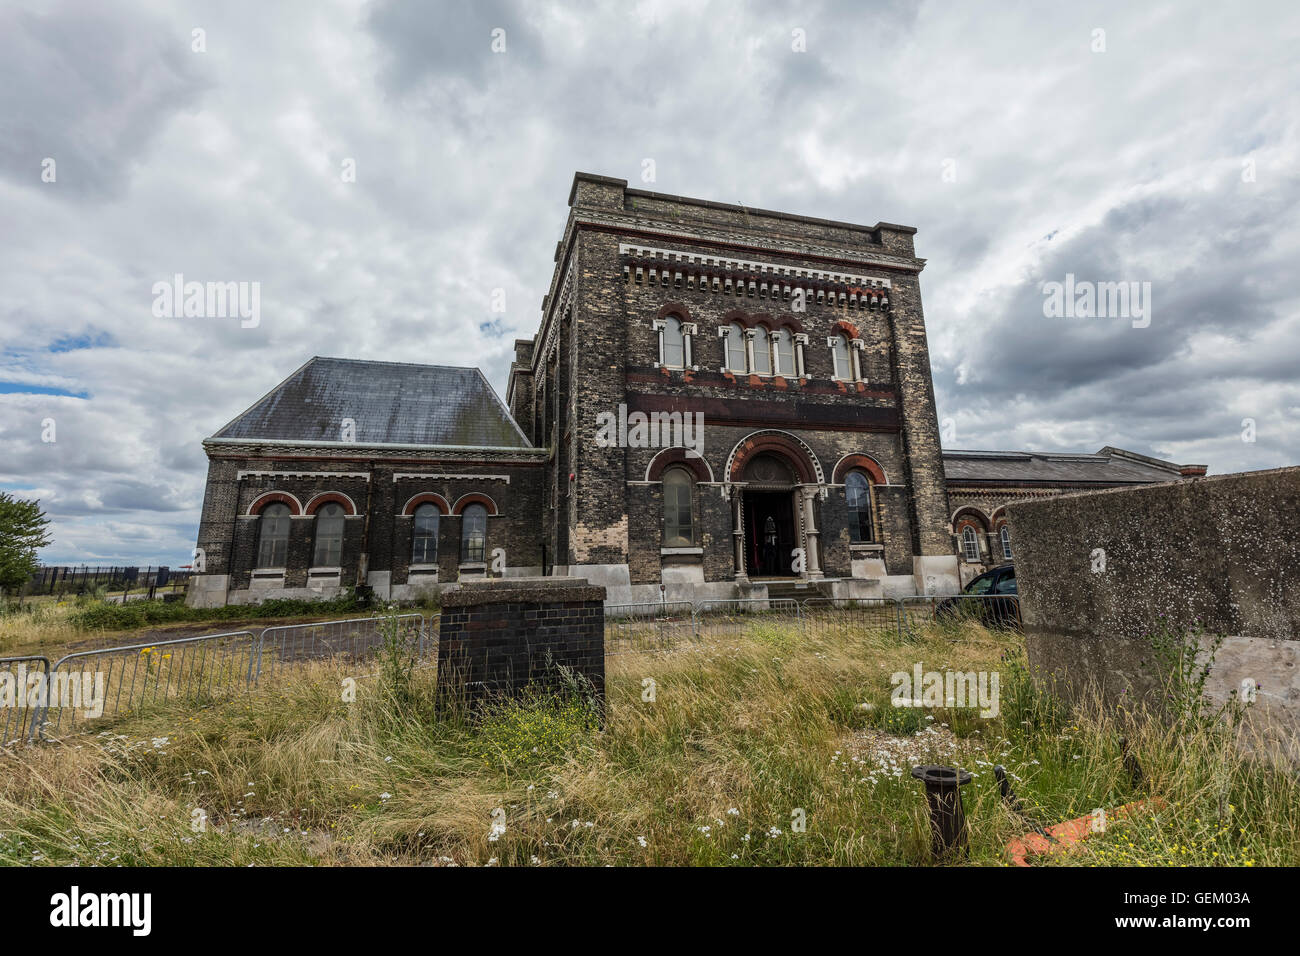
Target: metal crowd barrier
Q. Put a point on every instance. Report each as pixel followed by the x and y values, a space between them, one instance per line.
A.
pixel 354 640
pixel 117 681
pixel 654 625
pixel 18 709
pixel 206 668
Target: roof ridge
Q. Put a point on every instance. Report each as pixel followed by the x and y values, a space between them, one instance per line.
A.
pixel 355 361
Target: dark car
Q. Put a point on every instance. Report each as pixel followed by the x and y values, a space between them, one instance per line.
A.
pixel 985 605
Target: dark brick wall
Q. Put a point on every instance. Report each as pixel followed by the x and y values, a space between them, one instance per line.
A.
pixel 230 538
pixel 499 639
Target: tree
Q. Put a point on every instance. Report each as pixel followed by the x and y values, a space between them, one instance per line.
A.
pixel 22 532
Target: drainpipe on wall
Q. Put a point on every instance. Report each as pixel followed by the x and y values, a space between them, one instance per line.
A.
pixel 363 565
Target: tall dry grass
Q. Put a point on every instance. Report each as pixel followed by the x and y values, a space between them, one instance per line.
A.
pixel 767 748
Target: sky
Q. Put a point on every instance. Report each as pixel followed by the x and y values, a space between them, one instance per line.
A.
pixel 381 169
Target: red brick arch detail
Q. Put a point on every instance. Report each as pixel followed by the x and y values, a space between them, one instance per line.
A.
pixel 787 449
pixel 970 516
pixel 273 497
pixel 327 497
pixel 474 498
pixel 848 328
pixel 677 310
pixel 427 497
pixel 677 456
pixel 865 463
pixel 769 322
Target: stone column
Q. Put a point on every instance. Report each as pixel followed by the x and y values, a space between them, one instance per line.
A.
pixel 738 532
pixel 812 564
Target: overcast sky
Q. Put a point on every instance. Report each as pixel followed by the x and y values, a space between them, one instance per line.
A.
pixel 1023 144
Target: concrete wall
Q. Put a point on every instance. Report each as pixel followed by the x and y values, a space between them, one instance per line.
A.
pixel 1100 571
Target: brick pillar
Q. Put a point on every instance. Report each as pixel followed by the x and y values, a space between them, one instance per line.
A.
pixel 497 638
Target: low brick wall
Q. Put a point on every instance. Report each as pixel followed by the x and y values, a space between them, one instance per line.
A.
pixel 1098 572
pixel 497 637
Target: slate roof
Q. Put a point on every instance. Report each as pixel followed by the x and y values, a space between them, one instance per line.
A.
pixel 1109 466
pixel 391 403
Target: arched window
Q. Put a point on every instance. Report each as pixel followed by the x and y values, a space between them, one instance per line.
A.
pixel 273 536
pixel 840 356
pixel 679 524
pixel 424 535
pixel 736 360
pixel 762 352
pixel 473 534
pixel 1006 541
pixel 970 546
pixel 329 536
pixel 674 343
pixel 857 492
pixel 783 352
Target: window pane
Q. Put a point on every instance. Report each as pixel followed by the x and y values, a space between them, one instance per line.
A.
pixel 273 543
pixel 329 536
pixel 857 493
pixel 762 353
pixel 970 546
pixel 473 534
pixel 840 353
pixel 678 530
pixel 424 538
pixel 1006 542
pixel 736 349
pixel 784 351
pixel 674 350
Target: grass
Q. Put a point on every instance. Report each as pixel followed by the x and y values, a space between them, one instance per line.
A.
pixel 760 748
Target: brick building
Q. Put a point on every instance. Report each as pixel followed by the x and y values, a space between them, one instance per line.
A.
pixel 719 402
pixel 982 483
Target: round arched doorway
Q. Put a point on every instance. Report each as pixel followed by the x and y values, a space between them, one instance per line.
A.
pixel 771 521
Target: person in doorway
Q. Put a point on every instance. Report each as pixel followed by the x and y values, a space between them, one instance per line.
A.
pixel 771 560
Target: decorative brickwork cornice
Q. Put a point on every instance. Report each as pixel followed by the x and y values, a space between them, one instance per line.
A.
pixel 746 279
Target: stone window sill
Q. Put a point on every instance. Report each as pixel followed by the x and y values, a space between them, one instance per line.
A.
pixel 699 551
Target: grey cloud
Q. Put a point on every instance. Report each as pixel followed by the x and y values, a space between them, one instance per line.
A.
pixel 89 89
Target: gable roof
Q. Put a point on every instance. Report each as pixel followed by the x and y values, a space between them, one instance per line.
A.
pixel 392 403
pixel 1110 466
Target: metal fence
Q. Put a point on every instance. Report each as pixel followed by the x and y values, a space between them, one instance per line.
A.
pixel 131 581
pixel 356 641
pixel 125 680
pixel 831 617
pixel 86 686
pixel 18 710
pixel 651 626
pixel 750 617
